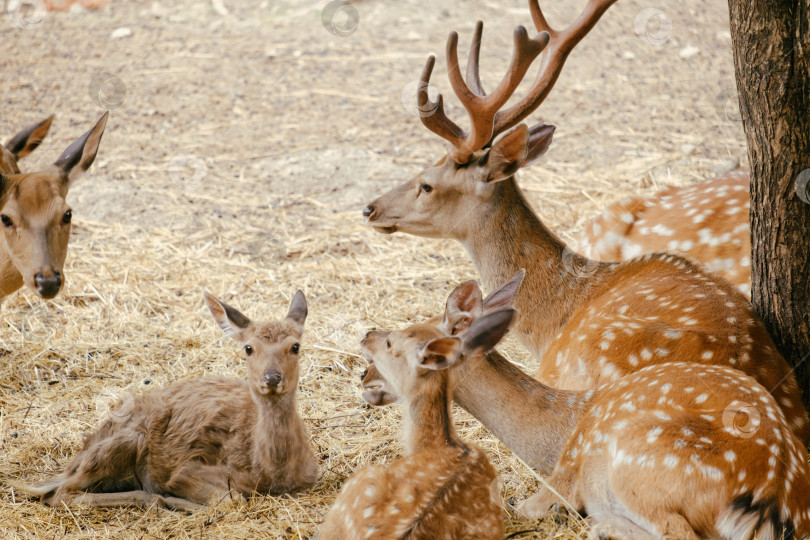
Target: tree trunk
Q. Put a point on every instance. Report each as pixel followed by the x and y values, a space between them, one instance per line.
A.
pixel 771 40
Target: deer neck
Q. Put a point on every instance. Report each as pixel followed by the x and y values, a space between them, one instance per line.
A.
pixel 428 423
pixel 531 419
pixel 10 277
pixel 278 429
pixel 506 235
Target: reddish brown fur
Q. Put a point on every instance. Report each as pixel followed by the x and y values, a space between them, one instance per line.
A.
pixel 674 451
pixel 201 440
pixel 680 450
pixel 707 222
pixel 443 488
pixel 36 217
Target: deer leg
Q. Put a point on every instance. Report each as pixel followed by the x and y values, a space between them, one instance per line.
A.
pixel 614 527
pixel 539 504
pixel 140 498
pixel 202 483
pixel 106 464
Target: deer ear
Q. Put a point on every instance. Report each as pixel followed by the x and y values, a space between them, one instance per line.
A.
pixel 463 306
pixel 26 141
pixel 440 353
pixel 298 308
pixel 484 333
pixel 506 155
pixel 540 136
pixel 80 155
pixel 230 319
pixel 504 297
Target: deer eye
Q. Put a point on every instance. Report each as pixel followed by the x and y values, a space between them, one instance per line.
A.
pixel 388 343
pixel 427 188
pixel 248 350
pixel 295 348
pixel 6 221
pixel 67 217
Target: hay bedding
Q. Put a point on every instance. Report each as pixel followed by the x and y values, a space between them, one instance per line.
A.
pixel 296 129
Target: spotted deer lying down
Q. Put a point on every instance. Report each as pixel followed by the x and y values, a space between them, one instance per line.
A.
pixel 587 322
pixel 34 216
pixel 679 450
pixel 444 488
pixel 203 440
pixel 707 222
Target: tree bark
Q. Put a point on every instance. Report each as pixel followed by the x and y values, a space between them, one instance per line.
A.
pixel 771 40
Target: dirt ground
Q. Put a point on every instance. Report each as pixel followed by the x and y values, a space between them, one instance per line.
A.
pixel 241 147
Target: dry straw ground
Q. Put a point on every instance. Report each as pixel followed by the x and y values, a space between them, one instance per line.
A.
pixel 295 129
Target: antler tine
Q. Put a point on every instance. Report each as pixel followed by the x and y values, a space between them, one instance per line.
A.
pixel 473 78
pixel 561 43
pixel 483 109
pixel 432 112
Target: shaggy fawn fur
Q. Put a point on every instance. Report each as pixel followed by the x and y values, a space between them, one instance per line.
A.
pixel 202 440
pixel 34 217
pixel 444 488
pixel 680 450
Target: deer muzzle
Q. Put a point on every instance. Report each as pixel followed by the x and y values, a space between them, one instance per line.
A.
pixel 48 282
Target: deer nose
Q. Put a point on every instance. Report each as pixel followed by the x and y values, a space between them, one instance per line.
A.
pixel 272 379
pixel 368 211
pixel 363 375
pixel 48 286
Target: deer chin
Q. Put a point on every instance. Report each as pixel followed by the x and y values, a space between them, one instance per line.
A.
pixel 378 397
pixel 269 391
pixel 390 229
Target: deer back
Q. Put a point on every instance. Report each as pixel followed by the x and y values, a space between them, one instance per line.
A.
pixel 707 222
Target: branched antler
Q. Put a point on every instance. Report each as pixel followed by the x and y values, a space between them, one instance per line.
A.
pixel 486 119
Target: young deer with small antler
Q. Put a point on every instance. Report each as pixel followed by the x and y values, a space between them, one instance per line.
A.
pixel 588 322
pixel 198 441
pixel 34 217
pixel 707 222
pixel 444 488
pixel 681 450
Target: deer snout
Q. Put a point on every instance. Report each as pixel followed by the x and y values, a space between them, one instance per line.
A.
pixel 368 211
pixel 48 282
pixel 272 379
pixel 368 339
pixel 363 375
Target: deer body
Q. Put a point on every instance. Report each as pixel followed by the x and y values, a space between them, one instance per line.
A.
pixel 202 440
pixel 34 217
pixel 444 488
pixel 663 453
pixel 707 222
pixel 678 450
pixel 588 322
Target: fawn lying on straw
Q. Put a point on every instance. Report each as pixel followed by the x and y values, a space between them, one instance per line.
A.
pixel 198 441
